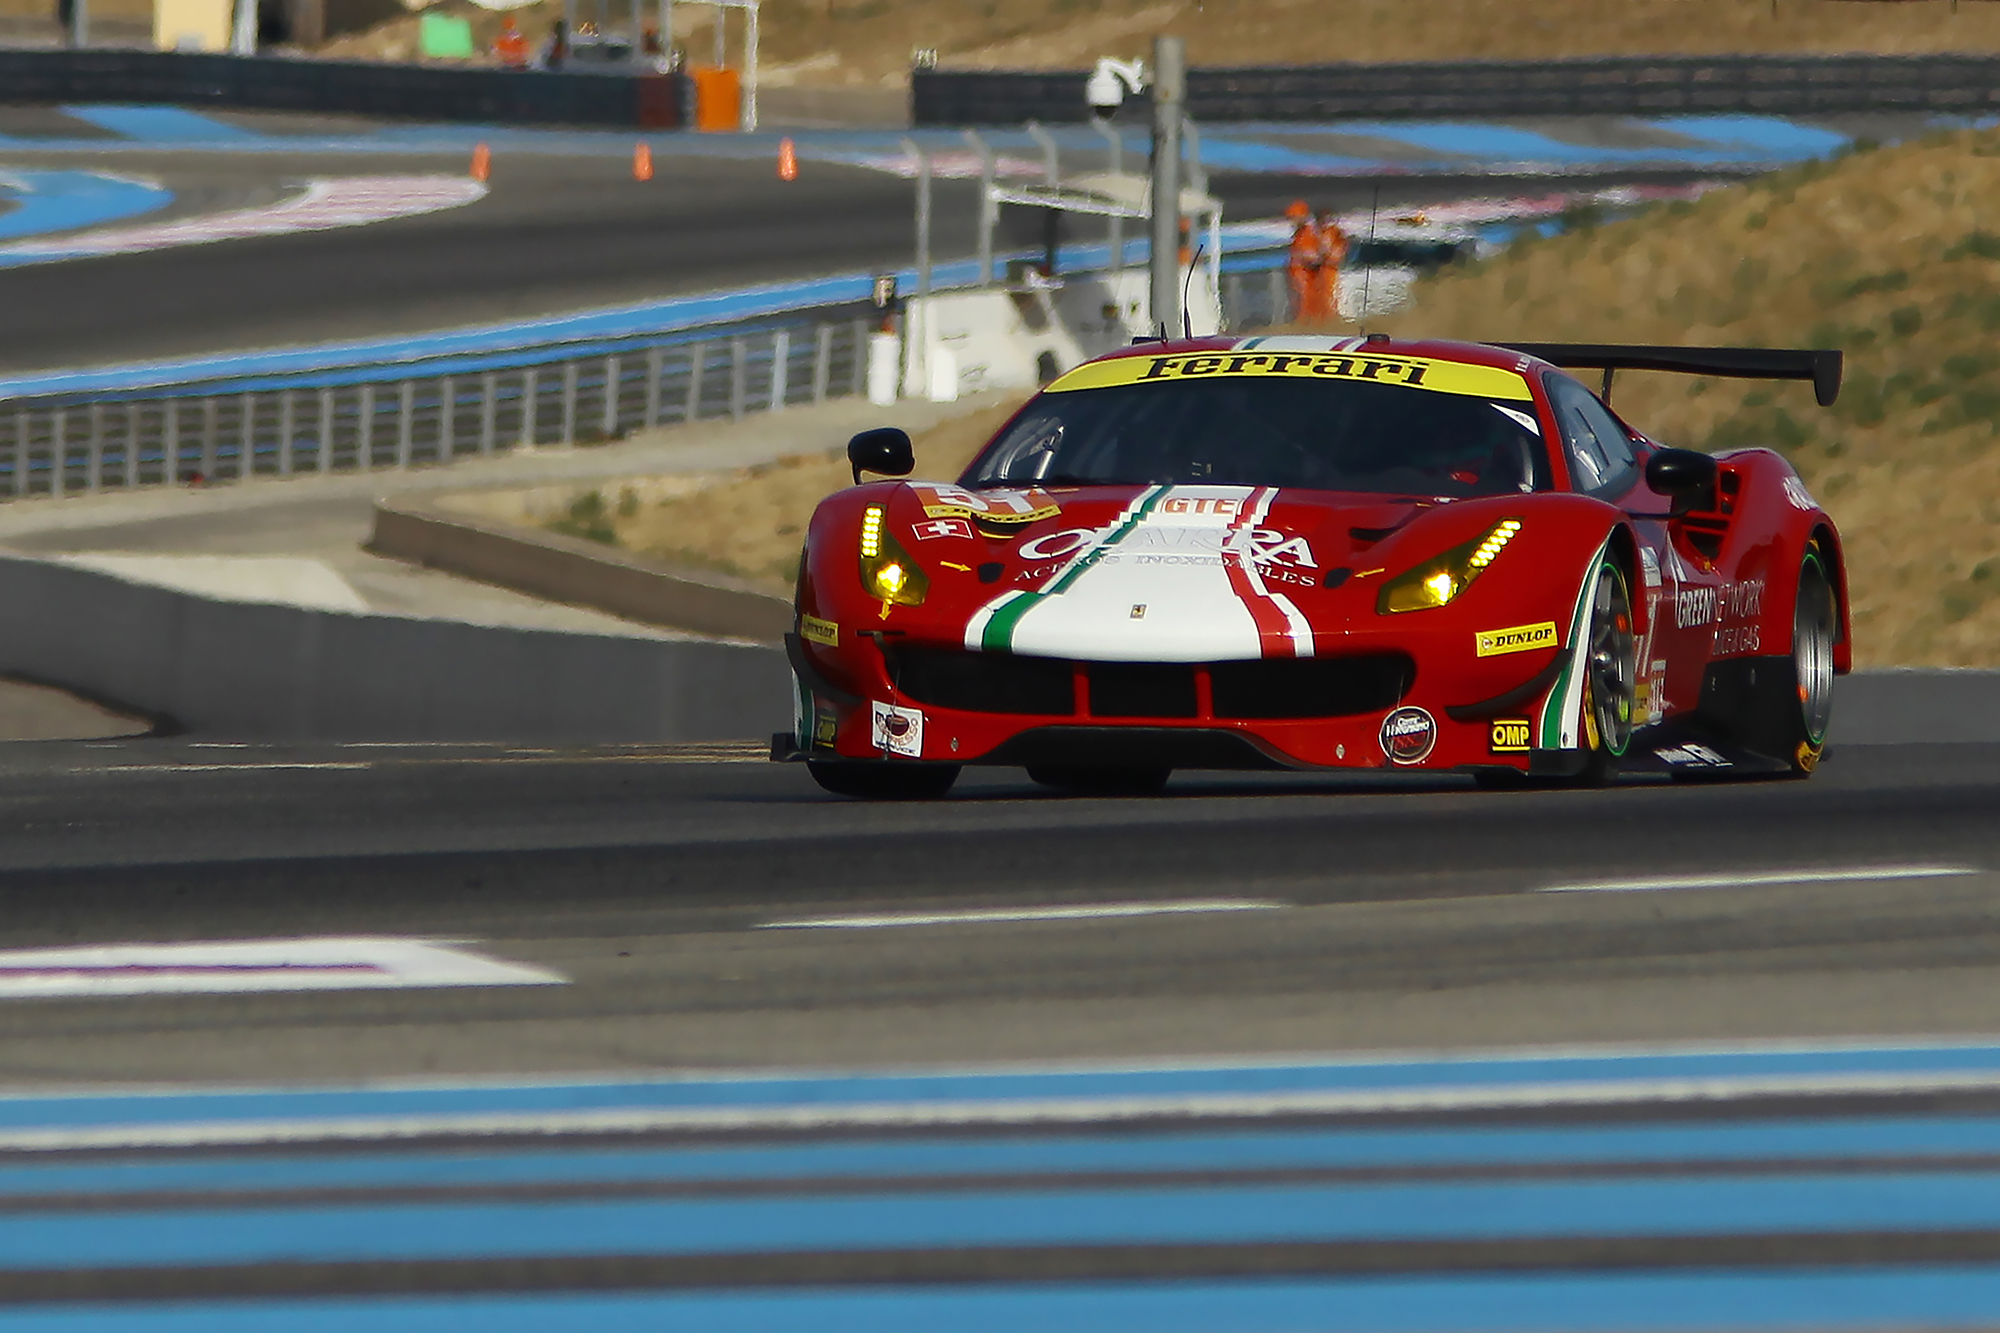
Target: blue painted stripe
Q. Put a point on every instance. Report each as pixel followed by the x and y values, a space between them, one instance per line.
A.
pixel 1894 1298
pixel 1497 144
pixel 1220 153
pixel 1732 1205
pixel 1585 1067
pixel 1765 134
pixel 555 334
pixel 155 124
pixel 1766 1141
pixel 50 201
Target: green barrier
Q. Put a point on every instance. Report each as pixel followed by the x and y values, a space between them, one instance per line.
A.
pixel 444 37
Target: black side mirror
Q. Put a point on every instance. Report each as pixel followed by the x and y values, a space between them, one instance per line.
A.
pixel 885 449
pixel 1682 475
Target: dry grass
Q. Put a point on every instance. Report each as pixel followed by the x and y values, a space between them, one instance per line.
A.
pixel 1891 254
pixel 751 523
pixel 834 43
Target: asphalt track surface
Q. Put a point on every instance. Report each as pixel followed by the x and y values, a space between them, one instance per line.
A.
pixel 1230 959
pixel 1392 911
pixel 553 235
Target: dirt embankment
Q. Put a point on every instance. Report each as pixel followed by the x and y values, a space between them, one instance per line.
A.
pixel 1892 255
pixel 752 522
pixel 853 43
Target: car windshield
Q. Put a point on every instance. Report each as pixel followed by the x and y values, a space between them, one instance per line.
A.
pixel 1315 431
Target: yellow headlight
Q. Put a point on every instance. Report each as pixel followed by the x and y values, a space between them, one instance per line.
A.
pixel 1437 581
pixel 888 574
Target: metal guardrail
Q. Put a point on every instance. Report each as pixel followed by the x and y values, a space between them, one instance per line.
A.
pixel 1622 86
pixel 405 418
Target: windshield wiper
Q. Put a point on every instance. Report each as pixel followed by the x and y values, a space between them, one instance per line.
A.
pixel 1068 479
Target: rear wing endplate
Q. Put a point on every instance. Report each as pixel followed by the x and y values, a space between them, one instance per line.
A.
pixel 1820 365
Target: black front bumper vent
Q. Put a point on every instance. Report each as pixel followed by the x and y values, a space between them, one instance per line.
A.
pixel 1303 687
pixel 984 682
pixel 1268 689
pixel 1142 689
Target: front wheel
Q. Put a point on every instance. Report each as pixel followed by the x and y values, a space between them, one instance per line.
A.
pixel 1611 673
pixel 884 781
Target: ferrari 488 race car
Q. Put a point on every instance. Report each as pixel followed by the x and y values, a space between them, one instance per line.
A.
pixel 1308 553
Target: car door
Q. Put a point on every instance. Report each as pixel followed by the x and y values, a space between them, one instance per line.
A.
pixel 1679 587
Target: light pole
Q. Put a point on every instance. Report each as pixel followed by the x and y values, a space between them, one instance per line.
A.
pixel 1169 97
pixel 243 36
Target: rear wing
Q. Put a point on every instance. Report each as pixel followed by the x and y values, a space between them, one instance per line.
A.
pixel 1820 365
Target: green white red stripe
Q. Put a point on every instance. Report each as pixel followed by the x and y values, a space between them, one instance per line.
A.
pixel 1561 723
pixel 1179 575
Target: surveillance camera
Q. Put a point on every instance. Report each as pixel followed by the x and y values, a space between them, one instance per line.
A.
pixel 1105 92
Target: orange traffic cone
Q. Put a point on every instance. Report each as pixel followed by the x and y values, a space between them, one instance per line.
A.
pixel 788 161
pixel 482 162
pixel 642 162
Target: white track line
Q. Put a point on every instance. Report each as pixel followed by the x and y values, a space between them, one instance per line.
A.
pixel 1093 912
pixel 213 768
pixel 1763 877
pixel 993 1113
pixel 214 966
pixel 326 204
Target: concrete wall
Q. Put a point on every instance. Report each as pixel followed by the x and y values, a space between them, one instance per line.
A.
pixel 581 573
pixel 1915 704
pixel 251 671
pixel 1769 85
pixel 426 92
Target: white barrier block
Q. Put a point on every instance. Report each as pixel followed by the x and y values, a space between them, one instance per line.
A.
pixel 885 358
pixel 943 386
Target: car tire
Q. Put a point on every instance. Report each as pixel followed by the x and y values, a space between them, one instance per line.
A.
pixel 1090 781
pixel 1611 674
pixel 884 781
pixel 1782 716
pixel 1815 628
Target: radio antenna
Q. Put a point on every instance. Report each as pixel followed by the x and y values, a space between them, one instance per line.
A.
pixel 1187 285
pixel 1367 270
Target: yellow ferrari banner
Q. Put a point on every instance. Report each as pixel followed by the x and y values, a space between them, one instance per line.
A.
pixel 1407 372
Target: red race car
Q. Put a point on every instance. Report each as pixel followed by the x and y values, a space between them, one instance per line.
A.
pixel 1307 553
